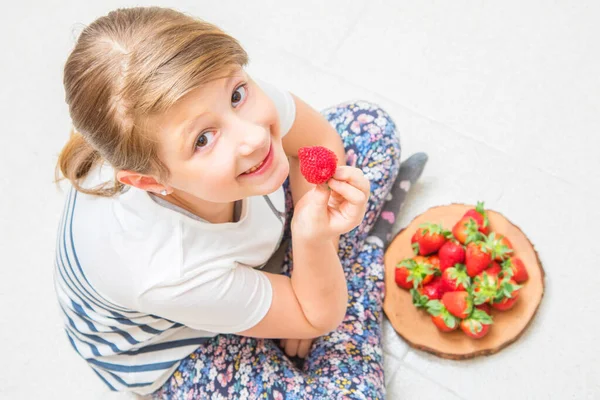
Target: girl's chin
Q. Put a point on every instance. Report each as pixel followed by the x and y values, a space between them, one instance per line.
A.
pixel 277 179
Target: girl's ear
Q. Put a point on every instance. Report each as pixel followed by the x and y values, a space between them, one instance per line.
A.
pixel 140 181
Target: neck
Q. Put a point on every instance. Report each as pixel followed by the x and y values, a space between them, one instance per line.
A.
pixel 216 213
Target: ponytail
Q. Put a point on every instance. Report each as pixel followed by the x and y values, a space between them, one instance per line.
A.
pixel 75 161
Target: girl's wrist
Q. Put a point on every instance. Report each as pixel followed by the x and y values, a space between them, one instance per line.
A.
pixel 311 242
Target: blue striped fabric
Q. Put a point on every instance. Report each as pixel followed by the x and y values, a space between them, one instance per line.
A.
pixel 128 350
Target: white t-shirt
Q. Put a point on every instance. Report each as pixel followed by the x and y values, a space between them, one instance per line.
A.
pixel 142 283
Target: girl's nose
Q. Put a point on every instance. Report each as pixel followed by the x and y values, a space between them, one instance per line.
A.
pixel 251 138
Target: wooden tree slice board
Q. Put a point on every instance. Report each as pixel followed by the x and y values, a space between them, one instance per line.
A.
pixel 415 326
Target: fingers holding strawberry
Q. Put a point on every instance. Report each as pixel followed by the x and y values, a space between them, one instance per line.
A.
pixel 322 214
pixel 349 197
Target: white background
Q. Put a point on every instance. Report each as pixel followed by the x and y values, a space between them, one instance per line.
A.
pixel 503 96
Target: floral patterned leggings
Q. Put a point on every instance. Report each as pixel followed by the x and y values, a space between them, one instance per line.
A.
pixel 346 363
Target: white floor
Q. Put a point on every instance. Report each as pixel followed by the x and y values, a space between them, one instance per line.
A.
pixel 503 96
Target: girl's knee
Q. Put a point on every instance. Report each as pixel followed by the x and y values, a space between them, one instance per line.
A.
pixel 366 111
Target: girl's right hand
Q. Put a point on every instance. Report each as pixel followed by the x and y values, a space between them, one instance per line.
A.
pixel 323 214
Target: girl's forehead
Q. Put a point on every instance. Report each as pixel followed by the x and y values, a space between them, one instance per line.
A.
pixel 182 115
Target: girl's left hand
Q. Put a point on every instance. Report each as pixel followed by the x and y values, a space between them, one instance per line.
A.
pixel 322 214
pixel 296 347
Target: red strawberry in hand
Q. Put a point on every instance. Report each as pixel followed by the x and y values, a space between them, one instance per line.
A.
pixel 478 257
pixel 480 216
pixel 455 279
pixel 451 253
pixel 459 304
pixel 440 316
pixel 477 325
pixel 428 239
pixel 317 164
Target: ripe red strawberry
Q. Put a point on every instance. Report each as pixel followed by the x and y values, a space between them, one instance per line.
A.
pixel 451 253
pixel 435 261
pixel 445 321
pixel 506 303
pixel 485 307
pixel 401 277
pixel 508 293
pixel 465 231
pixel 480 216
pixel 433 290
pixel 501 247
pixel 455 279
pixel 426 269
pixel 441 317
pixel 317 163
pixel 494 269
pixel 412 272
pixel 426 293
pixel 478 257
pixel 477 325
pixel 428 239
pixel 459 304
pixel 514 267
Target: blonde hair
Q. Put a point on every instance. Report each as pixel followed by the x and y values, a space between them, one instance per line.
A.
pixel 125 67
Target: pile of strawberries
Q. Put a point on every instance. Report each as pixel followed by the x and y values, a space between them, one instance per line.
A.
pixel 460 276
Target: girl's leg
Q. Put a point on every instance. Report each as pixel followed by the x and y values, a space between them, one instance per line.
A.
pixel 348 362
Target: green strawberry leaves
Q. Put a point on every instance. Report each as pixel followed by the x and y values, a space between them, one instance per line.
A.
pixel 416 271
pixel 481 210
pixel 450 320
pixel 419 300
pixel 506 290
pixel 415 247
pixel 482 317
pixel 497 247
pixel 507 270
pixel 434 229
pixel 436 308
pixel 472 232
pixel 459 274
pixel 485 289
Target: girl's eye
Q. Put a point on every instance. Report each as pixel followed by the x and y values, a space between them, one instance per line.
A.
pixel 205 139
pixel 236 97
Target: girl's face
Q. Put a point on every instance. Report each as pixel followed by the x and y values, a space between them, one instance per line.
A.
pixel 222 142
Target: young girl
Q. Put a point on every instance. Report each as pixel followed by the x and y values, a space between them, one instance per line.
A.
pixel 184 181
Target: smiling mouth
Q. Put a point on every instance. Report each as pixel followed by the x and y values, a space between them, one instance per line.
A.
pixel 257 166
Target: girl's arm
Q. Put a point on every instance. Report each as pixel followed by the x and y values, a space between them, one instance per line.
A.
pixel 313 301
pixel 310 128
